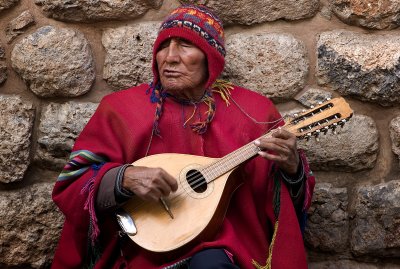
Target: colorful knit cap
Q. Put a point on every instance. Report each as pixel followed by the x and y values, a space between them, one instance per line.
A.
pixel 195 23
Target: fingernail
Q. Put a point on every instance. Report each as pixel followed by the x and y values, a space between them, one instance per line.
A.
pixel 257 142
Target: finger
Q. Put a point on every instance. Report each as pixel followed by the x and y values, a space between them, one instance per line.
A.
pixel 282 161
pixel 164 181
pixel 282 133
pixel 270 156
pixel 149 194
pixel 171 181
pixel 274 144
pixel 164 188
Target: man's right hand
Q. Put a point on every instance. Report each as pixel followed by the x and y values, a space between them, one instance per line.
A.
pixel 149 184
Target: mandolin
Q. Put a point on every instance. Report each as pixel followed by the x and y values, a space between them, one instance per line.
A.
pixel 205 185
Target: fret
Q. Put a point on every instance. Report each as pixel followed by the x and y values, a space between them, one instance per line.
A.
pixel 232 160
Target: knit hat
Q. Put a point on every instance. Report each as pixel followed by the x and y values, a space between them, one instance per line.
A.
pixel 195 23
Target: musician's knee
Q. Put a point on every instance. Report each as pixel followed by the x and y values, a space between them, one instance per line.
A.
pixel 214 258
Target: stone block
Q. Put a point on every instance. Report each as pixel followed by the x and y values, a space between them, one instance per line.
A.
pixel 19 25
pixel 5 4
pixel 361 65
pixel 258 11
pixel 89 10
pixel 349 264
pixel 371 14
pixel 275 65
pixel 16 123
pixel 3 72
pixel 3 67
pixel 328 222
pixel 312 96
pixel 129 54
pixel 2 52
pixel 55 62
pixel 376 224
pixel 394 129
pixel 59 127
pixel 30 225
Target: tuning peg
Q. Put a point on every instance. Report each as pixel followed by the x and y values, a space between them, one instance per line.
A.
pixel 325 130
pixel 319 103
pixel 334 126
pixel 316 135
pixel 342 122
pixel 308 136
pixel 328 99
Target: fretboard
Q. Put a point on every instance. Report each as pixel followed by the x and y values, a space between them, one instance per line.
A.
pixel 230 161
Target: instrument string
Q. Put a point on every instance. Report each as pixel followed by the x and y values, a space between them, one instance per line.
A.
pixel 198 177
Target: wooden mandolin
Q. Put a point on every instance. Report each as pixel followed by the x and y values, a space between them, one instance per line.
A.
pixel 206 185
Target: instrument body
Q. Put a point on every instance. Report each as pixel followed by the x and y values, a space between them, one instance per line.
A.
pixel 192 211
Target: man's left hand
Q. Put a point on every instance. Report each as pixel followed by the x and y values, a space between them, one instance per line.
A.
pixel 281 148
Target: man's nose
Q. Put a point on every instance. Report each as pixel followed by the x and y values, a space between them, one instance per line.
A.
pixel 172 53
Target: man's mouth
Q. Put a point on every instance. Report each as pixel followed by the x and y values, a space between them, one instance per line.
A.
pixel 171 73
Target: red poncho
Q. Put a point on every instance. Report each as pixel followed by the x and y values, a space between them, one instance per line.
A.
pixel 120 132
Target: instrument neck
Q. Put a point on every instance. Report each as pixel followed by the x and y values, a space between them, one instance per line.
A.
pixel 232 160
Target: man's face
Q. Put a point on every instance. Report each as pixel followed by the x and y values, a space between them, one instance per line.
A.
pixel 182 68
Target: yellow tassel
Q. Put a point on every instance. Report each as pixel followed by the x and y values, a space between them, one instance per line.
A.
pixel 224 88
pixel 194 111
pixel 208 101
pixel 271 247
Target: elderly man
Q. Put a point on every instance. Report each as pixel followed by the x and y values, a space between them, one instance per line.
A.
pixel 184 110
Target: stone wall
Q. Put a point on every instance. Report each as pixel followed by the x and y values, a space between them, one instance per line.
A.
pixel 58 58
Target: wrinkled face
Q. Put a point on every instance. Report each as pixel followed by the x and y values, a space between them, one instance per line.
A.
pixel 182 68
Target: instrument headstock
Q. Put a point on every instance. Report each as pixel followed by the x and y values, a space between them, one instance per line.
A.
pixel 320 119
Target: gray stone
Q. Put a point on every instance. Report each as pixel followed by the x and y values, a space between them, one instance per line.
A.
pixel 313 97
pixel 129 54
pixel 3 72
pixel 274 65
pixel 328 223
pixel 19 25
pixel 326 10
pixel 5 4
pixel 2 52
pixel 3 67
pixel 60 125
pixel 370 14
pixel 376 225
pixel 348 264
pixel 55 62
pixel 16 123
pixel 394 129
pixel 258 11
pixel 95 10
pixel 360 65
pixel 30 225
pixel 353 148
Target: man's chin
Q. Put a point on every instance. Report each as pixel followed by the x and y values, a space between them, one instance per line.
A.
pixel 172 86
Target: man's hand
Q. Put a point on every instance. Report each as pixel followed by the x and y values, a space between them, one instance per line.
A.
pixel 149 184
pixel 282 149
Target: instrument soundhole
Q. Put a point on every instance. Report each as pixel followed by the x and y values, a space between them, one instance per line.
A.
pixel 196 181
